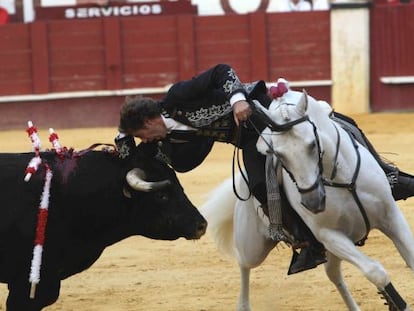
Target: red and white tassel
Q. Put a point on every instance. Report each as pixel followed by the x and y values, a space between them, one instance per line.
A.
pixel 36 145
pixel 32 167
pixel 34 137
pixel 54 139
pixel 42 216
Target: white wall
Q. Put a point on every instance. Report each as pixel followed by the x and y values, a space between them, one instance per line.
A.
pixel 9 5
pixel 205 7
pixel 213 7
pixel 350 58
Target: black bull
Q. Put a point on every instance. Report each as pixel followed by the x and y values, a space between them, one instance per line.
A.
pixel 91 207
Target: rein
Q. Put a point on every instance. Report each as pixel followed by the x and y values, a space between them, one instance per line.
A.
pixel 236 159
pixel 335 160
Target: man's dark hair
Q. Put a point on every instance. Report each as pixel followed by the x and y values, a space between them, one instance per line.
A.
pixel 135 111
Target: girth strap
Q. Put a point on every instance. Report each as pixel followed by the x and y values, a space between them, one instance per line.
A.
pixel 352 188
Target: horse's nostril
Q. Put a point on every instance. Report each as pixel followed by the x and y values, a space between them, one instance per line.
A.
pixel 314 201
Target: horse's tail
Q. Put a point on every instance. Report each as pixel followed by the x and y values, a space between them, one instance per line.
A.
pixel 219 211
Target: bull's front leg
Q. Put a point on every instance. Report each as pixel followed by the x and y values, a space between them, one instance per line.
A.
pixel 47 293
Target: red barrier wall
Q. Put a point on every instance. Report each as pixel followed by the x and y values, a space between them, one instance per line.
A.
pixel 15 59
pixel 137 52
pixel 123 53
pixel 114 53
pixel 392 50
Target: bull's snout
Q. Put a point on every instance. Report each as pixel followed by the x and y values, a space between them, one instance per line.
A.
pixel 200 229
pixel 315 200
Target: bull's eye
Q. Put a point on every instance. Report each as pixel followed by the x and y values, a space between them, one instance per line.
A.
pixel 161 197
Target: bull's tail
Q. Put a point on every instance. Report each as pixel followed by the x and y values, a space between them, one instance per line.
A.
pixel 219 211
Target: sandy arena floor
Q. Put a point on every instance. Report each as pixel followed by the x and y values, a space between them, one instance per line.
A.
pixel 146 275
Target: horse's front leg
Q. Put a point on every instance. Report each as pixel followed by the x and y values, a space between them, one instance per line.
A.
pixel 333 271
pixel 342 247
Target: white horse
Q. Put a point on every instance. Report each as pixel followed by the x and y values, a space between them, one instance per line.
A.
pixel 332 182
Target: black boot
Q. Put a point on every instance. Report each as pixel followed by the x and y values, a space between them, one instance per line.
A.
pixel 403 186
pixel 308 258
pixel 312 251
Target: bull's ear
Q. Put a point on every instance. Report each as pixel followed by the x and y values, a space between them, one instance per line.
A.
pixel 126 193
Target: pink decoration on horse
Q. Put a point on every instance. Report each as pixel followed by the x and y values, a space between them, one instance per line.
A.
pixel 278 90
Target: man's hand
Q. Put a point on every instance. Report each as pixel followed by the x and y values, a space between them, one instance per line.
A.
pixel 241 111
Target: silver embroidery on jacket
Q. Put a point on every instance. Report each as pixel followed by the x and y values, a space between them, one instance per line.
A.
pixel 232 84
pixel 161 156
pixel 124 150
pixel 206 116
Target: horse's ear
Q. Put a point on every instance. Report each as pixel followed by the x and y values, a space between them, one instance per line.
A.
pixel 303 103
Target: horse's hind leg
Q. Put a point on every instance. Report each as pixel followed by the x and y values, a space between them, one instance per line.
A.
pixel 244 301
pixel 333 271
pixel 252 247
pixel 342 247
pixel 397 229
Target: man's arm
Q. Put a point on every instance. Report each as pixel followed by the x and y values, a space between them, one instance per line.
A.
pixel 221 77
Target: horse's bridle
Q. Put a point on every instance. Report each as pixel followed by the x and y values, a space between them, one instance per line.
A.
pixel 319 178
pixel 275 127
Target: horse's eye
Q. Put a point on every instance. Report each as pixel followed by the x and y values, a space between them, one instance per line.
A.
pixel 312 146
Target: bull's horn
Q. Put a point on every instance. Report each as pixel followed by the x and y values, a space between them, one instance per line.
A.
pixel 135 179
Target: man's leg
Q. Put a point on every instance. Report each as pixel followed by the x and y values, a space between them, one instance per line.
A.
pixel 312 251
pixel 402 184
